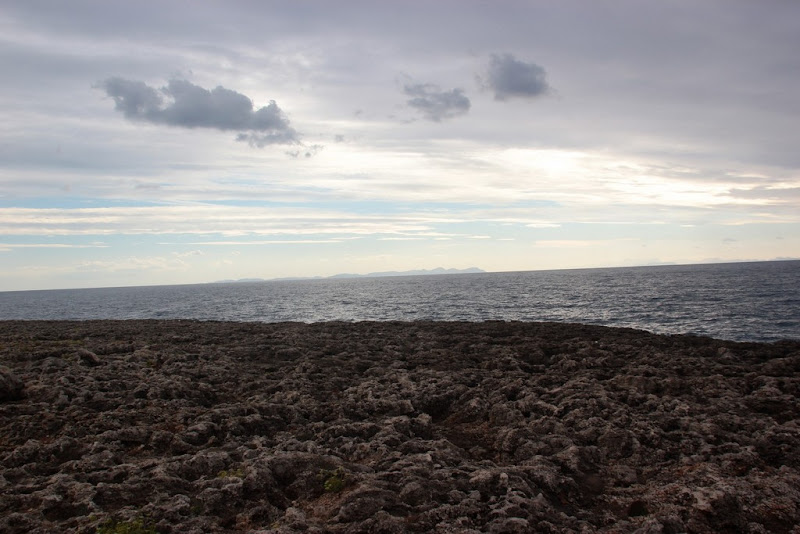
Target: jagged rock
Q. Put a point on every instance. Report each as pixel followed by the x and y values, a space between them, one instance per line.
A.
pixel 89 358
pixel 395 427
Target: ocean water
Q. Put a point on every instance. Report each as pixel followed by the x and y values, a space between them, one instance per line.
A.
pixel 736 301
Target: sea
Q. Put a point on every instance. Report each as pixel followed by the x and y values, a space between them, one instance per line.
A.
pixel 758 301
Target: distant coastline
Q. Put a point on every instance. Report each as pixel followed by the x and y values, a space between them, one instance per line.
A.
pixel 381 274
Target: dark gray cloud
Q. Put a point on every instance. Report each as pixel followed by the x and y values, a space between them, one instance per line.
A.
pixel 183 104
pixel 136 100
pixel 509 77
pixel 436 104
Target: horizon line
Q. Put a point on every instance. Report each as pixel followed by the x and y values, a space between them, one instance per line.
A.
pixel 348 276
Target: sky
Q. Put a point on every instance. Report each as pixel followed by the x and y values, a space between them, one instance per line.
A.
pixel 191 141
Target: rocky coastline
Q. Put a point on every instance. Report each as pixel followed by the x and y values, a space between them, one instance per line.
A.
pixel 206 427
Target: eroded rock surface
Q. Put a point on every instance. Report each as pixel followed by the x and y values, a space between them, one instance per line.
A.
pixel 200 427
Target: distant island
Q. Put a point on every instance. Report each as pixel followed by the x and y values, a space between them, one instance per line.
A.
pixel 415 272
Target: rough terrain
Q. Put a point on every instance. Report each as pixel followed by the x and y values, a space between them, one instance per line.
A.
pixel 203 427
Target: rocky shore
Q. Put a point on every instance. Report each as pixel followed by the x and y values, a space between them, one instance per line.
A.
pixel 203 427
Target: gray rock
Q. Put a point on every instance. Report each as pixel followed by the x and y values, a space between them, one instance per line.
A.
pixel 89 358
pixel 395 427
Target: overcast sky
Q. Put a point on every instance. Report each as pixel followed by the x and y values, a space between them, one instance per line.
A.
pixel 191 141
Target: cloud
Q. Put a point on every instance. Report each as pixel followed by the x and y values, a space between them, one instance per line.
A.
pixel 769 194
pixel 181 103
pixel 508 78
pixel 204 219
pixel 7 247
pixel 308 151
pixel 188 254
pixel 436 104
pixel 261 140
pixel 270 242
pixel 133 264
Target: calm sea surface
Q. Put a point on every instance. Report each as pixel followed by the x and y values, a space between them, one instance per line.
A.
pixel 737 301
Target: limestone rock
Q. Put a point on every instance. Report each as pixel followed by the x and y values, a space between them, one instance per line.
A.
pixel 204 427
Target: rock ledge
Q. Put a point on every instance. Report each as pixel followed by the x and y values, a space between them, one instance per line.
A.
pixel 204 427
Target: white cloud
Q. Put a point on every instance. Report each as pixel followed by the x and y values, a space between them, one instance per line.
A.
pixel 543 225
pixel 202 219
pixel 680 117
pixel 262 242
pixel 188 254
pixel 132 264
pixel 580 243
pixel 10 246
